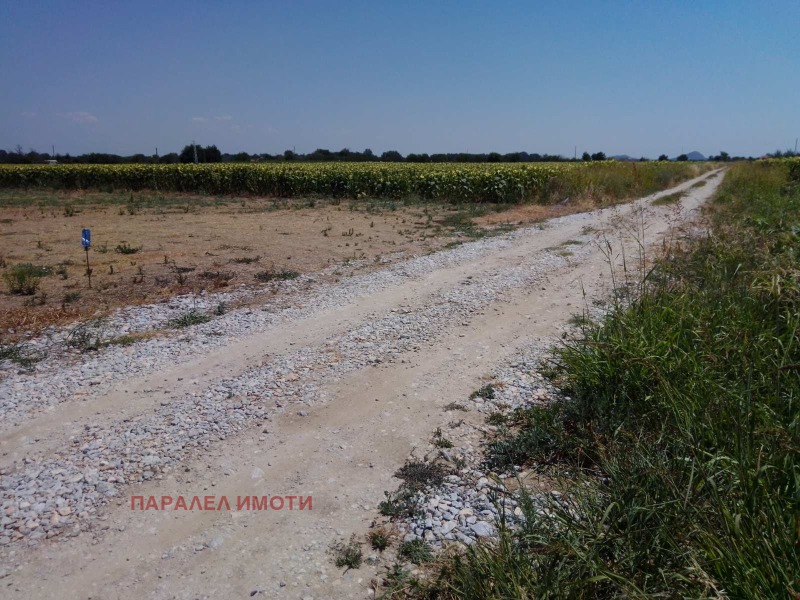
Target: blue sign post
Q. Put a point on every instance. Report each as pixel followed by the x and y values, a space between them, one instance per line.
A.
pixel 86 240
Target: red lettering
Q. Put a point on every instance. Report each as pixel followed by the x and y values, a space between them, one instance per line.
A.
pixel 272 503
pixel 305 501
pixel 181 503
pixel 208 502
pixel 224 501
pixel 262 505
pixel 141 502
pixel 195 500
pixel 152 503
pixel 165 502
pixel 242 502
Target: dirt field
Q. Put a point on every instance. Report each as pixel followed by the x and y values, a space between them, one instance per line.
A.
pixel 328 401
pixel 181 244
pixel 148 248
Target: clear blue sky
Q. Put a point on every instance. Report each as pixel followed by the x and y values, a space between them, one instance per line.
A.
pixel 638 78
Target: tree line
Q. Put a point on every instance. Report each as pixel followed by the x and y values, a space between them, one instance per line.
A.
pixel 211 154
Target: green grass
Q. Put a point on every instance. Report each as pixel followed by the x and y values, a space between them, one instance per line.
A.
pixel 20 354
pixel 486 392
pixel 415 476
pixel 245 260
pixel 379 539
pixel 681 434
pixel 126 249
pixel 416 551
pixel 668 199
pixel 189 318
pixel 455 406
pixel 439 441
pixel 347 556
pixel 124 340
pixel 402 503
pixel 272 275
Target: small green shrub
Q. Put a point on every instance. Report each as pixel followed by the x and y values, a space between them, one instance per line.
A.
pixel 347 555
pixel 379 539
pixel 403 503
pixel 283 275
pixel 86 337
pixel 486 392
pixel 20 354
pixel 24 278
pixel 124 248
pixel 439 440
pixel 415 551
pixel 245 260
pixel 218 277
pixel 417 475
pixel 496 419
pixel 189 318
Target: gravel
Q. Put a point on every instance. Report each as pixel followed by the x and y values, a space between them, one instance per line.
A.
pixel 469 503
pixel 58 495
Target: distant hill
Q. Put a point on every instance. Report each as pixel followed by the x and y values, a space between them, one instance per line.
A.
pixel 695 155
pixel 623 157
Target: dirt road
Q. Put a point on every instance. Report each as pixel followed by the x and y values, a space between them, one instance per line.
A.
pixel 326 399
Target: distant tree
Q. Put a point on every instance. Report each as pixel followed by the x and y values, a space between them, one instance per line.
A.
pixel 187 154
pixel 289 155
pixel 170 158
pixel 586 157
pixel 211 154
pixel 392 156
pixel 663 157
pixel 599 156
pixel 320 154
pixel 682 158
pixel 724 156
pixel 241 157
pixel 368 153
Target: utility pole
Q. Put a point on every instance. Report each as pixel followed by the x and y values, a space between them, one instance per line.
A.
pixel 194 147
pixel 53 156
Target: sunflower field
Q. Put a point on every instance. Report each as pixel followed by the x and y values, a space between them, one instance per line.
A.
pixel 446 182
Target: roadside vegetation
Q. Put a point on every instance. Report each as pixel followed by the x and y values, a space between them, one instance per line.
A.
pixel 677 443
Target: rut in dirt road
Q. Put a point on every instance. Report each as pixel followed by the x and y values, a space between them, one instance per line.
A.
pixel 323 399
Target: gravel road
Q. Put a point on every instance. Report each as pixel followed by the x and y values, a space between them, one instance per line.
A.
pixel 322 391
